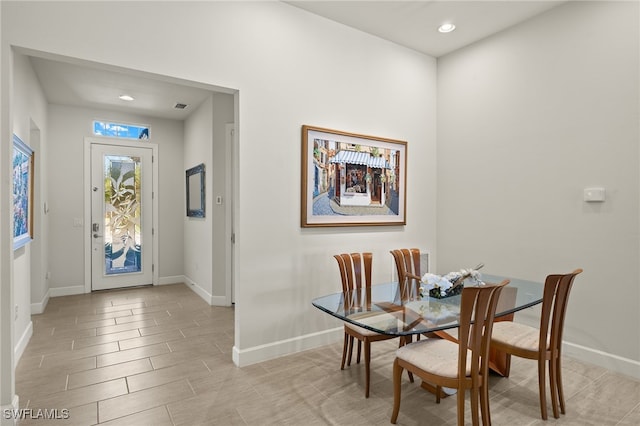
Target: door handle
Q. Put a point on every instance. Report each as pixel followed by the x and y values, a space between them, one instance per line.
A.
pixel 96 235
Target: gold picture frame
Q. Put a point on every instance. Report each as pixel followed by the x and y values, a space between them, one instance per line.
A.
pixel 350 179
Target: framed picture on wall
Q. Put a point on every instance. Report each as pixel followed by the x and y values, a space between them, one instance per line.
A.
pixel 22 193
pixel 350 179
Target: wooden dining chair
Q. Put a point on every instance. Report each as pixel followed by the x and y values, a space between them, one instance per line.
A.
pixel 408 270
pixel 463 365
pixel 409 273
pixel 542 344
pixel 355 277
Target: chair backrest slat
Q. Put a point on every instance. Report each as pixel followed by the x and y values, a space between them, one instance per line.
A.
pixel 554 307
pixel 415 257
pixel 477 312
pixel 357 270
pixel 351 274
pixel 408 268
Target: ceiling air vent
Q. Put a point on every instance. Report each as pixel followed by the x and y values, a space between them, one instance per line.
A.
pixel 180 106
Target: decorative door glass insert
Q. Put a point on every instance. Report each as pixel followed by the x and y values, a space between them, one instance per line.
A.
pixel 122 224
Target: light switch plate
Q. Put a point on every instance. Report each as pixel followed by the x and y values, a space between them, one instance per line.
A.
pixel 594 195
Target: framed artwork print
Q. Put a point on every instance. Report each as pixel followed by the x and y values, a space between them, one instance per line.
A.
pixel 22 193
pixel 195 191
pixel 352 180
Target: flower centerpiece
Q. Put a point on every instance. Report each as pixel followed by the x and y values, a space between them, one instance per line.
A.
pixel 439 286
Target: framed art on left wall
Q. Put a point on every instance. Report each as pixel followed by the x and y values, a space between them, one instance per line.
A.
pixel 22 174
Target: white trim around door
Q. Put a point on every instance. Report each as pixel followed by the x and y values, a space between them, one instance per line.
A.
pixel 88 141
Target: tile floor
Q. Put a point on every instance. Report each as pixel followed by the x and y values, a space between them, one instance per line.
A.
pixel 162 356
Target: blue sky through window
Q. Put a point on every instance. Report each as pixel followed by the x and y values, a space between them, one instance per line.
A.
pixel 119 130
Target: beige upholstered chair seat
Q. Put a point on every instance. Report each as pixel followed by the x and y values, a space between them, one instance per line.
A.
pixel 514 334
pixel 437 356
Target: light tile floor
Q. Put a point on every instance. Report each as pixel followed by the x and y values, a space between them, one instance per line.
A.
pixel 162 356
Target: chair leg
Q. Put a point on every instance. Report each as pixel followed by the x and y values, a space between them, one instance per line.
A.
pixel 350 350
pixel 359 349
pixel 367 363
pixel 553 383
pixel 507 370
pixel 344 350
pixel 541 388
pixel 484 402
pixel 397 377
pixel 460 404
pixel 559 384
pixel 405 340
pixel 475 405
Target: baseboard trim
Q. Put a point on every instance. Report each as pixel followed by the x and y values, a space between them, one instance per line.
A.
pixel 9 416
pixel 261 353
pixel 244 357
pixel 219 301
pixel 205 295
pixel 22 343
pixel 38 308
pixel 177 279
pixel 615 363
pixel 66 291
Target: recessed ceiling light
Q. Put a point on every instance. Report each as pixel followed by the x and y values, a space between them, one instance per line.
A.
pixel 126 97
pixel 446 28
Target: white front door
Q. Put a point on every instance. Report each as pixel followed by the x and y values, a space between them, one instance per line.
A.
pixel 121 216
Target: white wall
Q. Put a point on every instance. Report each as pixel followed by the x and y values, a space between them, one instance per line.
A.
pixel 7 384
pixel 68 126
pixel 198 149
pixel 29 108
pixel 526 120
pixel 223 113
pixel 204 238
pixel 291 68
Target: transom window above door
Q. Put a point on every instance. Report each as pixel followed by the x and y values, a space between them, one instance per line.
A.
pixel 120 130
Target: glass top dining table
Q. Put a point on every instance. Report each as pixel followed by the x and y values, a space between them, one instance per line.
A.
pixel 383 310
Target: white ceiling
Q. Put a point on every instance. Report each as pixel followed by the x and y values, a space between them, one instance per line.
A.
pixel 412 24
pixel 96 86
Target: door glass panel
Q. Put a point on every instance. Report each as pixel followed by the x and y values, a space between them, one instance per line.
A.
pixel 122 225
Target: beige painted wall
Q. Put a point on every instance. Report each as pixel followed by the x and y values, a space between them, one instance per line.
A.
pixel 527 119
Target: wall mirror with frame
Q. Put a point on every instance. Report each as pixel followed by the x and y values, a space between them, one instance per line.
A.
pixel 195 191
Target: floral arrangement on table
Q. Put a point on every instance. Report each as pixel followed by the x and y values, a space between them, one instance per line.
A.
pixel 439 286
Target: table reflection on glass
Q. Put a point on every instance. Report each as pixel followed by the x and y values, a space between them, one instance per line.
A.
pixel 390 309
